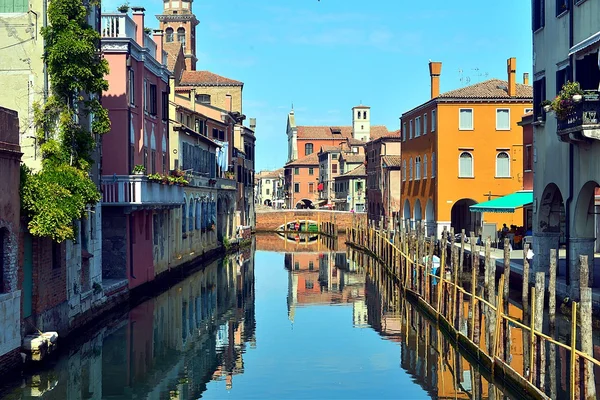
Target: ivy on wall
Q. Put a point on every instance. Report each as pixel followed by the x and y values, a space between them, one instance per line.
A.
pixel 57 195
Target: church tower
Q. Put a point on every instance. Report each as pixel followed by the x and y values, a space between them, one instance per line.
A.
pixel 178 23
pixel 361 123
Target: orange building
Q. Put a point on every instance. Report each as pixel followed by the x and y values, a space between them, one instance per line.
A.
pixel 301 179
pixel 462 148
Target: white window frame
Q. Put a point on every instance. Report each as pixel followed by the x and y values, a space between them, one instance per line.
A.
pixel 417 168
pixel 404 131
pixel 404 170
pixel 472 119
pixel 410 132
pixel 425 166
pixel 472 165
pixel 417 127
pixel 410 170
pixel 527 110
pixel 433 120
pixel 433 164
pixel 425 124
pixel 497 113
pixel 497 158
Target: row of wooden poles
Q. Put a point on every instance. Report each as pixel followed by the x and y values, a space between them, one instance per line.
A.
pixel 408 256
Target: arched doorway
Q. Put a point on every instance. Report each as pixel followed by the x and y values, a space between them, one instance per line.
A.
pixel 418 213
pixel 430 218
pixel 583 235
pixel 462 218
pixel 305 203
pixel 406 214
pixel 267 203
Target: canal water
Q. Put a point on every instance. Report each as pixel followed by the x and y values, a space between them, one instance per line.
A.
pixel 284 319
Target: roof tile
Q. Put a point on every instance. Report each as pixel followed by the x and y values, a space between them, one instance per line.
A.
pixel 392 161
pixel 490 89
pixel 206 78
pixel 311 159
pixel 325 132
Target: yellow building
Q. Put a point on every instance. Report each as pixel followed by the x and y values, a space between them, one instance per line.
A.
pixel 461 148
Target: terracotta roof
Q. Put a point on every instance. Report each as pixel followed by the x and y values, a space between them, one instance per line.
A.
pixel 206 78
pixel 172 49
pixel 490 89
pixel 361 170
pixel 328 148
pixel 326 132
pixel 356 142
pixel 311 159
pixel 271 174
pixel 361 106
pixel 392 161
pixel 353 158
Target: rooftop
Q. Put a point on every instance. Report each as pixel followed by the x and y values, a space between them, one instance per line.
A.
pixel 490 89
pixel 392 161
pixel 311 159
pixel 353 158
pixel 206 78
pixel 336 132
pixel 172 49
pixel 359 171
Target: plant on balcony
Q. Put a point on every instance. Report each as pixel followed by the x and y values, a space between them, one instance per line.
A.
pixel 147 31
pixel 564 103
pixel 139 169
pixel 181 181
pixel 58 194
pixel 546 105
pixel 155 178
pixel 123 8
pixel 177 173
pixel 229 175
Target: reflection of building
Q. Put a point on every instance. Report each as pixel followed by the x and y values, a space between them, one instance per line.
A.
pixel 463 147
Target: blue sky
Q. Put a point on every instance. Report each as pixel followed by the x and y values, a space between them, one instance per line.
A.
pixel 327 56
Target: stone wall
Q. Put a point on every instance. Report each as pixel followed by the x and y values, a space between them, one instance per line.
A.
pixel 271 220
pixel 114 244
pixel 10 322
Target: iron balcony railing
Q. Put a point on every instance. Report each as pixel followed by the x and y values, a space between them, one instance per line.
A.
pixel 585 116
pixel 137 190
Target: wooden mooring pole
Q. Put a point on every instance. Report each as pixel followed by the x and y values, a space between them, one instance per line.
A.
pixel 540 365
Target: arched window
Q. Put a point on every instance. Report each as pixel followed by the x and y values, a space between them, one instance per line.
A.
pixel 183 215
pixel 503 165
pixel 197 214
pixel 359 114
pixel 433 165
pixel 364 115
pixel 308 149
pixel 410 170
pixel 403 170
pixel 425 166
pixel 169 34
pixel 465 165
pixel 191 215
pixel 417 168
pixel 181 36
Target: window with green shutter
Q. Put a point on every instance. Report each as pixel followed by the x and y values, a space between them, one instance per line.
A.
pixel 14 6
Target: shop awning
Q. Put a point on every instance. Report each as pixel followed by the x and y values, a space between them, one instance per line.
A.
pixel 505 204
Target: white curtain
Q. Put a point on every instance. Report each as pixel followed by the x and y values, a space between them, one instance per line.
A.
pixel 503 165
pixel 465 165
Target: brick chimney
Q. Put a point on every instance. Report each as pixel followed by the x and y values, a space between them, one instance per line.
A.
pixel 228 102
pixel 138 18
pixel 526 78
pixel 511 68
pixel 435 69
pixel 157 36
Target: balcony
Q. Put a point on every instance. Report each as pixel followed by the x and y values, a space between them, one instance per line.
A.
pixel 120 25
pixel 138 191
pixel 583 122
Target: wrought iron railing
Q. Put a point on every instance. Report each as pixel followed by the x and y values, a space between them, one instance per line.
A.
pixel 585 112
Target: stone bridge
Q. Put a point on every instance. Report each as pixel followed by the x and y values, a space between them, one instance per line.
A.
pixel 272 220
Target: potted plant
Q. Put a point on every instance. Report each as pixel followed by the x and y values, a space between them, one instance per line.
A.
pixel 229 175
pixel 155 177
pixel 147 31
pixel 139 169
pixel 564 103
pixel 546 105
pixel 177 173
pixel 123 8
pixel 172 180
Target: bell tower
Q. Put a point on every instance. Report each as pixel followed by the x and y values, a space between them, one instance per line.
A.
pixel 178 23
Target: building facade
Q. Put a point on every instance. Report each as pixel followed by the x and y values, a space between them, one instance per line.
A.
pixel 301 180
pixel 383 195
pixel 461 148
pixel 350 193
pixel 566 162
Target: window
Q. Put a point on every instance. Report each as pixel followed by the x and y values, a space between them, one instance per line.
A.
pixel 311 171
pixel 296 265
pixel 528 158
pixel 562 76
pixel 410 132
pixel 14 6
pixel 503 165
pixel 425 124
pixel 165 106
pixel 403 170
pixel 203 98
pixel 169 34
pixel 296 171
pixel 561 6
pixel 417 126
pixel 425 166
pixel 131 87
pixel 268 191
pixel 539 14
pixel 358 115
pixel 527 110
pixel 334 168
pixel 222 135
pixel 502 119
pixel 410 170
pixel 215 133
pixel 311 187
pixel 153 100
pixel 539 95
pixel 153 161
pixel 364 115
pixel 311 265
pixel 433 121
pixel 181 37
pixel 417 168
pixel 308 149
pixel 465 120
pixel 433 165
pixel 465 165
pixel 296 188
pixel 404 132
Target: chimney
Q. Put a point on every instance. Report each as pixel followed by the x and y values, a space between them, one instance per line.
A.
pixel 253 123
pixel 157 36
pixel 511 68
pixel 435 69
pixel 138 18
pixel 228 102
pixel 526 78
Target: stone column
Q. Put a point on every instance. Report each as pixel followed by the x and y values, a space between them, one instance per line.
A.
pixel 542 243
pixel 577 247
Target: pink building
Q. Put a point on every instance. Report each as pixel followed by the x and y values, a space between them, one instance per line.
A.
pixel 137 102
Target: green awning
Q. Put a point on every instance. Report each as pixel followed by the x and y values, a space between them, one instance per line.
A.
pixel 505 204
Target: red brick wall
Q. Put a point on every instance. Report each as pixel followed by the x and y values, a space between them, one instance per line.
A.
pixel 271 220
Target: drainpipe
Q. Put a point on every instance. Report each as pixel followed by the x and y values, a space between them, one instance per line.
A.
pixel 570 177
